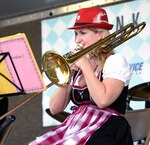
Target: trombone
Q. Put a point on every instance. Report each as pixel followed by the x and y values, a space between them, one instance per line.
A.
pixel 56 67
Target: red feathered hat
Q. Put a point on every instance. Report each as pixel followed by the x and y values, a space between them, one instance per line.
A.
pixel 92 17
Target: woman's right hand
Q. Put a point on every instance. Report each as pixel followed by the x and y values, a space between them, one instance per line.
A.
pixel 59 99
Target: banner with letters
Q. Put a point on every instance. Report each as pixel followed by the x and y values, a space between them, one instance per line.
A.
pixel 56 36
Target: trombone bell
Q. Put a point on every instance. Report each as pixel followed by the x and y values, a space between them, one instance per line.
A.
pixel 56 68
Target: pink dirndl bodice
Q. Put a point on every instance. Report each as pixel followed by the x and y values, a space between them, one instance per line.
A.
pixel 77 128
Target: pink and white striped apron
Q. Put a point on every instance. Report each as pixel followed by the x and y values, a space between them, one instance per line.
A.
pixel 77 128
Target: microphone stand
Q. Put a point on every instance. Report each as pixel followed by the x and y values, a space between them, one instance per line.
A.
pixel 7 123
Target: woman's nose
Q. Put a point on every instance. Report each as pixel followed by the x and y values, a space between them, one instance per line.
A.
pixel 78 39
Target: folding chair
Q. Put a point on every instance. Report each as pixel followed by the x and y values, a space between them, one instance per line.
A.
pixel 139 121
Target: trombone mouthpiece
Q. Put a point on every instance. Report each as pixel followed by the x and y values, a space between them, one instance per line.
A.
pixel 78 48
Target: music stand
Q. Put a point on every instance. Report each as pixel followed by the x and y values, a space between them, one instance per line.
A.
pixel 20 87
pixel 19 72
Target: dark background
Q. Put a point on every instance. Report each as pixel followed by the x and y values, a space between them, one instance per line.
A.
pixel 11 8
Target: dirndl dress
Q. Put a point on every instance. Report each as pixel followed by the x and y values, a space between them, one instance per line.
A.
pixel 88 124
pixel 78 127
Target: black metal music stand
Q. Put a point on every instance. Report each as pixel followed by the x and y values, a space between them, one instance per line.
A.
pixel 20 86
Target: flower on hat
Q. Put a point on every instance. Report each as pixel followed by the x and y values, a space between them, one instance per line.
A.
pixel 98 18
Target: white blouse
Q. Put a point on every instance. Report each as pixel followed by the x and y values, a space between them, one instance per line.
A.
pixel 117 67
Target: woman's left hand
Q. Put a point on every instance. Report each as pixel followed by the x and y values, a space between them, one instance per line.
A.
pixel 84 61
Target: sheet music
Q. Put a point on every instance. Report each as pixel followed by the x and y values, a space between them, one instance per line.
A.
pixel 24 62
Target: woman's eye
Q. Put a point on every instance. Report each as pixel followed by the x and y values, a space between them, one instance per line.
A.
pixel 82 32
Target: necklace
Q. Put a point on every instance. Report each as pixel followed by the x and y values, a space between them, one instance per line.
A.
pixel 81 93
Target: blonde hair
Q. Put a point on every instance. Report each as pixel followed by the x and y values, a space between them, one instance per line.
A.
pixel 102 56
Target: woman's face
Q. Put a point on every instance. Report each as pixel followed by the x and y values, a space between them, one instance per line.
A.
pixel 87 37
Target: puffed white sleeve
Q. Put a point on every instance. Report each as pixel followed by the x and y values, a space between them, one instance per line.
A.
pixel 117 67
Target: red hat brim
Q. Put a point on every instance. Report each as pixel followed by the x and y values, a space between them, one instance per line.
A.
pixel 98 25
